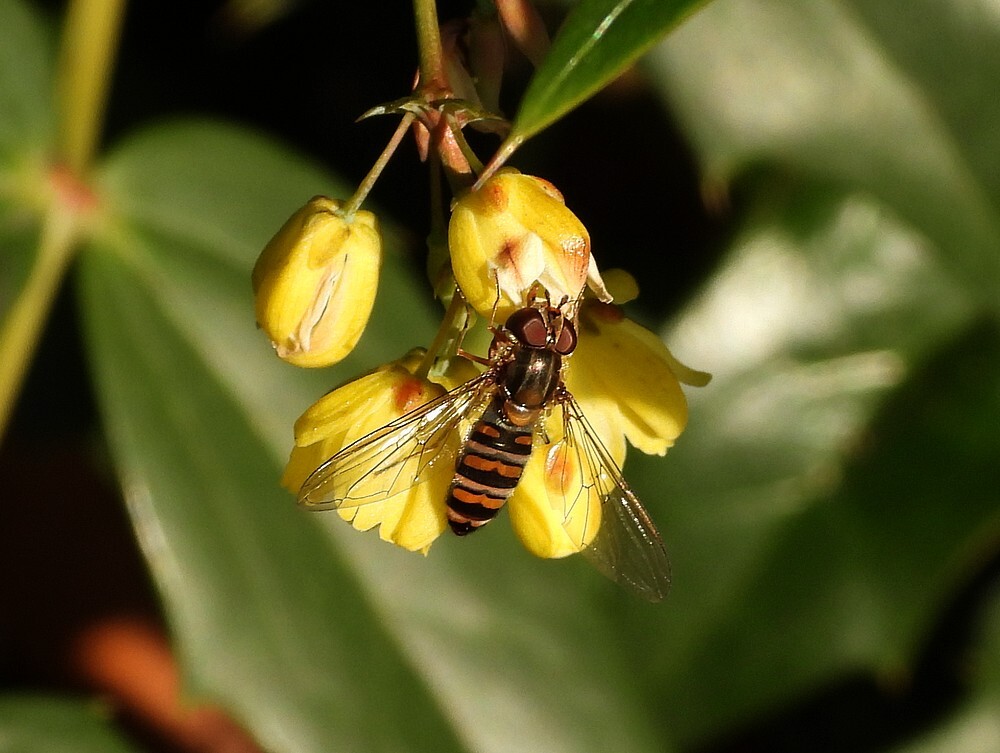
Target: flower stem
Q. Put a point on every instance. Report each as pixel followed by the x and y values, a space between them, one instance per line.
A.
pixel 85 64
pixel 20 331
pixel 355 202
pixel 432 73
pixel 507 148
pixel 475 166
pixel 451 326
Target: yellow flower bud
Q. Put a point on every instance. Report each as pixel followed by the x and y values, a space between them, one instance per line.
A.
pixel 315 283
pixel 513 232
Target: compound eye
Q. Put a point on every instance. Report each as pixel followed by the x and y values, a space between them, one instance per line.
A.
pixel 528 326
pixel 566 343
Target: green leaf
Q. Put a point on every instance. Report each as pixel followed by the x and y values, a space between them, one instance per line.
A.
pixel 56 725
pixel 19 242
pixel 318 638
pixel 256 597
pixel 892 99
pixel 598 41
pixel 824 460
pixel 838 479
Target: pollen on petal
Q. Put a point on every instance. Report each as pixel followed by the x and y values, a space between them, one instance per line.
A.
pixel 408 394
pixel 495 196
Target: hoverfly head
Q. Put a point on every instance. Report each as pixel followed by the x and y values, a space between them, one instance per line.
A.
pixel 538 327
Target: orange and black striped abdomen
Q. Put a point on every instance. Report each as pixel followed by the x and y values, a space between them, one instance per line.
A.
pixel 488 469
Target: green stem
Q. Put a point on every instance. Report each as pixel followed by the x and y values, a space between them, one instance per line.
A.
pixel 85 64
pixel 19 335
pixel 354 203
pixel 432 71
pixel 507 148
pixel 451 325
pixel 475 166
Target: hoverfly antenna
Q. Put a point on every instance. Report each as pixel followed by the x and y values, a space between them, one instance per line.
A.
pixel 562 332
pixel 532 299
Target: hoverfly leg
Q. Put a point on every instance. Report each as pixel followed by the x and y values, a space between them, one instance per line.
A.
pixel 453 344
pixel 496 303
pixel 473 357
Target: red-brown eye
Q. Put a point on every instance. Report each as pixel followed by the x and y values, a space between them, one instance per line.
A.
pixel 528 326
pixel 566 343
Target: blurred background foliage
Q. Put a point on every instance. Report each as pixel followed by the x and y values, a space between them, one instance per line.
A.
pixel 809 195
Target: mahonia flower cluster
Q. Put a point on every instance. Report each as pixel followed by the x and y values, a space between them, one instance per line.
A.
pixel 315 285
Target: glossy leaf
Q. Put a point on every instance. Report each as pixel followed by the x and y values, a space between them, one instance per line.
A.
pixel 888 98
pixel 57 725
pixel 598 41
pixel 822 460
pixel 318 637
pixel 261 607
pixel 837 480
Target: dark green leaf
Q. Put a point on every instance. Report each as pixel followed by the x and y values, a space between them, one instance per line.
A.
pixel 268 618
pixel 838 471
pixel 838 480
pixel 18 244
pixel 318 637
pixel 598 41
pixel 894 100
pixel 56 725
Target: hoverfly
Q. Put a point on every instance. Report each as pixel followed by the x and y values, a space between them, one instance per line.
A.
pixel 488 428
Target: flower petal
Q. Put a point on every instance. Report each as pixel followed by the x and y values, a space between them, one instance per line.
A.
pixel 513 232
pixel 412 517
pixel 652 407
pixel 553 510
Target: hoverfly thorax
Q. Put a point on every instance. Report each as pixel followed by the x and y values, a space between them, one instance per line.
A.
pixel 539 340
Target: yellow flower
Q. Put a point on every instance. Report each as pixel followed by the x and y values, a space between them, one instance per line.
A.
pixel 621 368
pixel 413 516
pixel 555 510
pixel 513 232
pixel 314 283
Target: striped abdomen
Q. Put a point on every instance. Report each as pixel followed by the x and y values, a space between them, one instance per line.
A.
pixel 488 469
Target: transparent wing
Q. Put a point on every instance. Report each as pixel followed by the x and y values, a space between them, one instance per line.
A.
pixel 627 548
pixel 399 455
